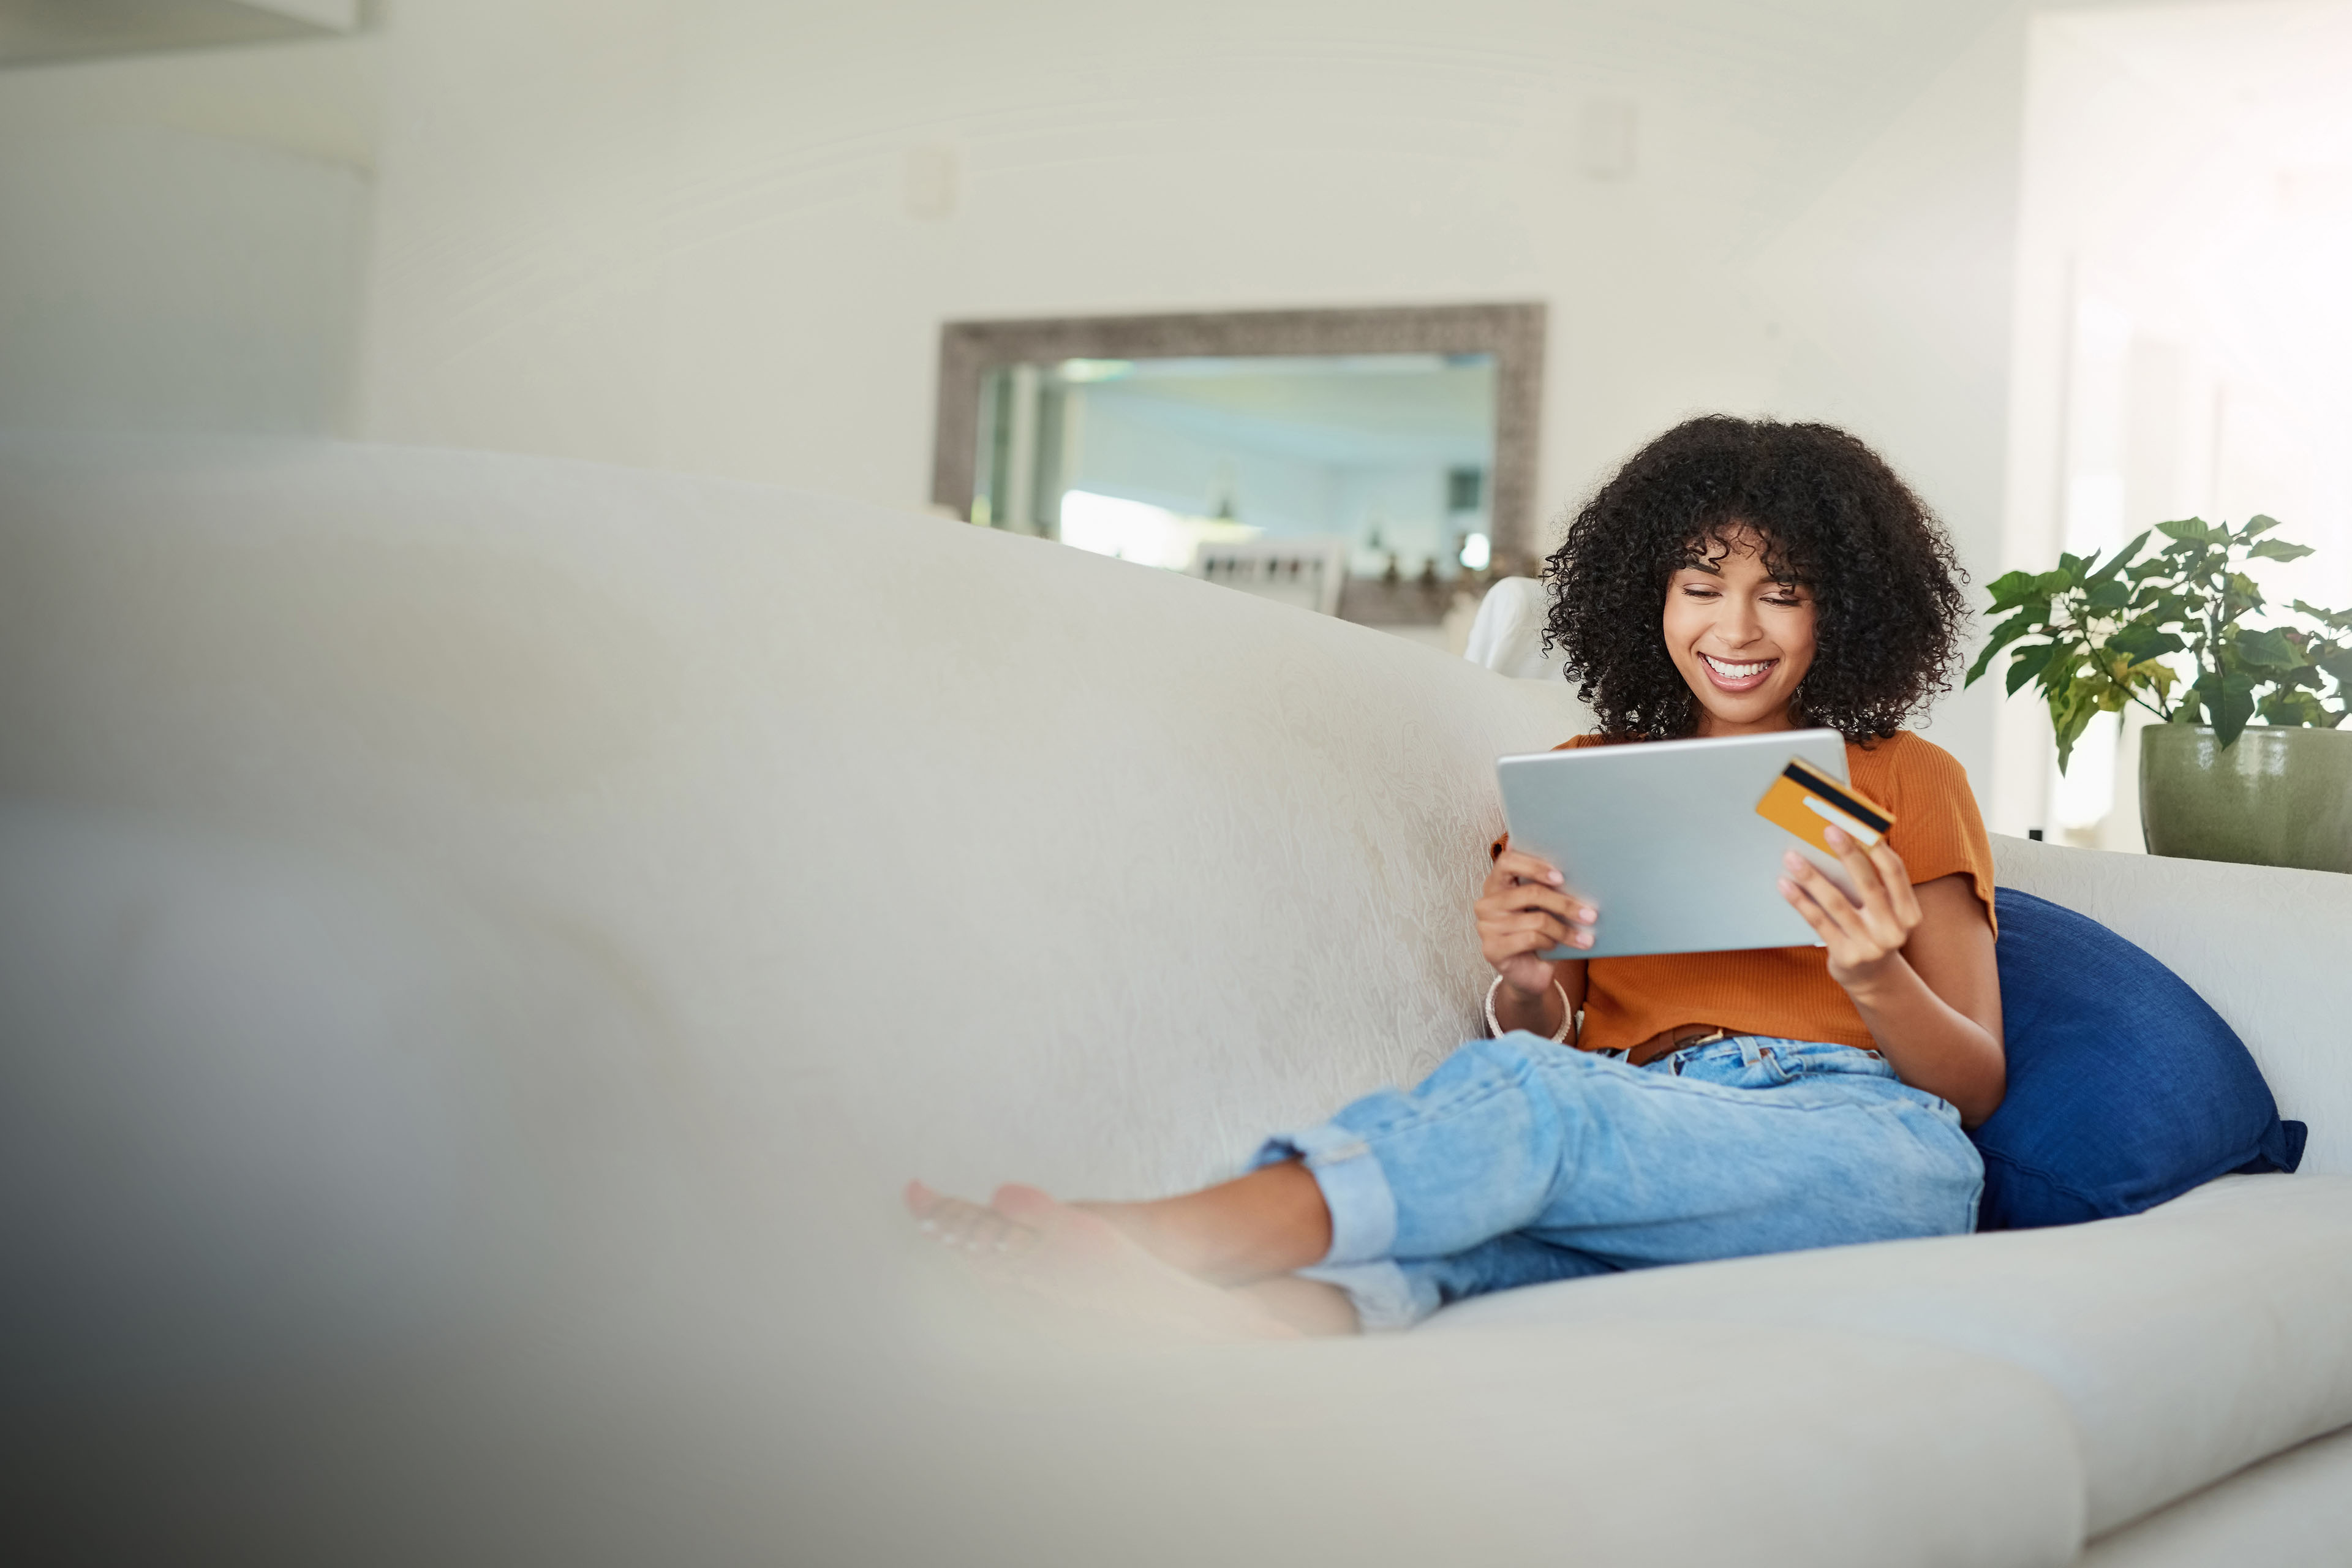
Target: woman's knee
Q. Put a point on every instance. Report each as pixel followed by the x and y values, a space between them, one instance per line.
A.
pixel 1489 1066
pixel 1517 1054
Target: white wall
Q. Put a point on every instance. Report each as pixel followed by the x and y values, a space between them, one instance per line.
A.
pixel 153 281
pixel 678 232
pixel 183 239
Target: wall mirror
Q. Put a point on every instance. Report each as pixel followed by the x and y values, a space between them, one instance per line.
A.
pixel 1376 464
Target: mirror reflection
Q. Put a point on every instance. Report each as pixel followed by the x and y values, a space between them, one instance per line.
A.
pixel 1292 476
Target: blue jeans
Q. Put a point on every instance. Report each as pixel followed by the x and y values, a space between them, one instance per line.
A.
pixel 1520 1161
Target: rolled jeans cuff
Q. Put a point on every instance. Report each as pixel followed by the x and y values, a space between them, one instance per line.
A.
pixel 1355 1189
pixel 1387 1299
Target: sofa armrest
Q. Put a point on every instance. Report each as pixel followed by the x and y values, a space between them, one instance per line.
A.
pixel 2266 947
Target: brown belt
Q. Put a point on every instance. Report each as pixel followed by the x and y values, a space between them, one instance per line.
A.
pixel 1680 1037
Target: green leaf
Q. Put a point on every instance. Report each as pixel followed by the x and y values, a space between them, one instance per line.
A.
pixel 2070 715
pixel 2116 561
pixel 2335 620
pixel 2011 589
pixel 2338 664
pixel 2261 522
pixel 2193 530
pixel 2230 700
pixel 2109 595
pixel 2051 583
pixel 2268 649
pixel 2153 674
pixel 2279 550
pixel 2028 662
pixel 2008 632
pixel 2294 708
pixel 2143 640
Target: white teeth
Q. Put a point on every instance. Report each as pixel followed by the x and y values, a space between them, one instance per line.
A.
pixel 1735 671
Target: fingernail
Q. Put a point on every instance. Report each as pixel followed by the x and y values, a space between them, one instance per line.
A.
pixel 1837 837
pixel 1589 916
pixel 1553 878
pixel 1792 860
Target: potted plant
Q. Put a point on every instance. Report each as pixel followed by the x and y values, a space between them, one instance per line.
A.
pixel 2213 785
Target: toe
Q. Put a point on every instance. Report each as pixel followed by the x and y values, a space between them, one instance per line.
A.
pixel 949 1221
pixel 958 1223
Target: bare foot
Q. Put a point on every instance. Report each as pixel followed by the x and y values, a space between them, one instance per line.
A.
pixel 1077 1258
pixel 992 1241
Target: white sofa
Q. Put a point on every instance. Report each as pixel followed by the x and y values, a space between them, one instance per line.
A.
pixel 482 941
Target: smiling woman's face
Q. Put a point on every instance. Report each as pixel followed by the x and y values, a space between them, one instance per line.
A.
pixel 1741 638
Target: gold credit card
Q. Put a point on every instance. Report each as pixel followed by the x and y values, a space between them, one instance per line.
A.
pixel 1808 803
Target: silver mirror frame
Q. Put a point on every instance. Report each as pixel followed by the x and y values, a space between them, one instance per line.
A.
pixel 1512 333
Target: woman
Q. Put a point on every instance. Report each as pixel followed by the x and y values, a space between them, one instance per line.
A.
pixel 1736 577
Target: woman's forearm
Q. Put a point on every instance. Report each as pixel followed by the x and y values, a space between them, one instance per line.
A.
pixel 1919 965
pixel 1930 1044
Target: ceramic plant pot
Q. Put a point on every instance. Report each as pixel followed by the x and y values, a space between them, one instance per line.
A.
pixel 2278 798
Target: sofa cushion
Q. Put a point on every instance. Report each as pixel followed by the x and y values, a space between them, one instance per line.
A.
pixel 2187 1342
pixel 1643 1445
pixel 2125 1089
pixel 2293 1508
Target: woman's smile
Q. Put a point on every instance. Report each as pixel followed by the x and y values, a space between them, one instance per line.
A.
pixel 1736 675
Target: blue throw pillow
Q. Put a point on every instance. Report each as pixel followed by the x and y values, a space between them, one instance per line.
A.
pixel 2125 1089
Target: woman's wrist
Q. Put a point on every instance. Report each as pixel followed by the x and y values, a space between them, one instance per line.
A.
pixel 1890 981
pixel 1529 1014
pixel 1526 1008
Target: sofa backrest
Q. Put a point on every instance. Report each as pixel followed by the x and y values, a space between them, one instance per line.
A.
pixel 960 854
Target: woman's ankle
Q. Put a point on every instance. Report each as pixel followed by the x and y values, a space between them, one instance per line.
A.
pixel 1268 1223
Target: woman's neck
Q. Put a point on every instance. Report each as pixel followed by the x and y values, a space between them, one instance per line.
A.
pixel 1710 727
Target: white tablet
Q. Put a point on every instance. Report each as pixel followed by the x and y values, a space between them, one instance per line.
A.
pixel 1662 837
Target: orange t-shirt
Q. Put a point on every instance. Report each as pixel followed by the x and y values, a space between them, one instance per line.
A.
pixel 1787 992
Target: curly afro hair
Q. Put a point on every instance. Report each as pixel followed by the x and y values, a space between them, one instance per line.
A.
pixel 1833 516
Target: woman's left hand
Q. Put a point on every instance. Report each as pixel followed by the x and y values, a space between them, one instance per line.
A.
pixel 1866 939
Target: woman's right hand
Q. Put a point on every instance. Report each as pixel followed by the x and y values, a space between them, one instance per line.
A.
pixel 1522 910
